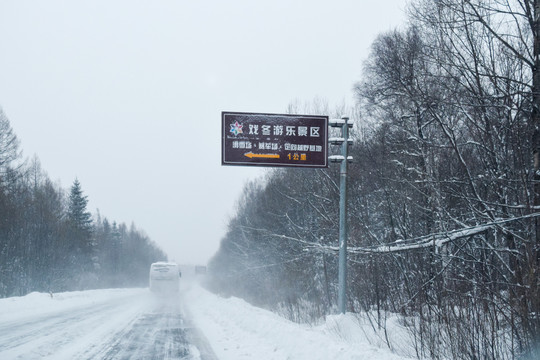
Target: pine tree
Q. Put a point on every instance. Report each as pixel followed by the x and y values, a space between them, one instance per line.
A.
pixel 80 229
pixel 79 217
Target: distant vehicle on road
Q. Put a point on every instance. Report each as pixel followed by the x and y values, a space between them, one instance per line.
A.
pixel 200 270
pixel 164 277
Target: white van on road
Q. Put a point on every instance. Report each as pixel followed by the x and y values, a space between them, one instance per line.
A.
pixel 164 277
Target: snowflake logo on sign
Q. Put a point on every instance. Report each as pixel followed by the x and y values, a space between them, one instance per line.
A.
pixel 236 128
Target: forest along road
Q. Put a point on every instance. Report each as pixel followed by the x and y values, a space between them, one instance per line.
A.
pixel 121 324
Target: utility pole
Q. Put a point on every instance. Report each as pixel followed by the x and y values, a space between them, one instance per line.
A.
pixel 344 159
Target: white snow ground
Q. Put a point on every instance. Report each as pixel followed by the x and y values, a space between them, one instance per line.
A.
pixel 240 331
pixel 95 325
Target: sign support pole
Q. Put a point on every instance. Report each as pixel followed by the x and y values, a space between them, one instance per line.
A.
pixel 343 159
pixel 342 296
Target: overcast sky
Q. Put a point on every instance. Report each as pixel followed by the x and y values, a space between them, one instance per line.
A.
pixel 127 95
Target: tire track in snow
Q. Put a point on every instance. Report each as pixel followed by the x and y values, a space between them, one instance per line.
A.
pixel 133 326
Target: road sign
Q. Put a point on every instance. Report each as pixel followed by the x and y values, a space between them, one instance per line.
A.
pixel 274 140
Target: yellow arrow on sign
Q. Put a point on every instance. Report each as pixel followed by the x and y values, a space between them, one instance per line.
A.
pixel 267 156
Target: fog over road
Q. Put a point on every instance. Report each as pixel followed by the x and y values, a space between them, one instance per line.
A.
pixel 125 324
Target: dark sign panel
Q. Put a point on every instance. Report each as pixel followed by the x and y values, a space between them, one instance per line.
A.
pixel 274 140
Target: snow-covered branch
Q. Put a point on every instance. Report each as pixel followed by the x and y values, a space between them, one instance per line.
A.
pixel 438 239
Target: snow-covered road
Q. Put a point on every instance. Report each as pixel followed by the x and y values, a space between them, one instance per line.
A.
pixel 196 325
pixel 101 324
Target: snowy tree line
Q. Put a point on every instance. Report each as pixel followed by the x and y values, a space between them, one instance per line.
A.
pixel 444 192
pixel 50 242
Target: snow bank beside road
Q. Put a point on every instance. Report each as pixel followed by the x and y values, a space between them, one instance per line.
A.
pixel 237 330
pixel 33 304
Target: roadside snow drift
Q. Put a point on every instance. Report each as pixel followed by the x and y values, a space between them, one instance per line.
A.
pixel 236 330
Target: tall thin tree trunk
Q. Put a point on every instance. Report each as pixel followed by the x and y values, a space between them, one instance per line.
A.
pixel 535 119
